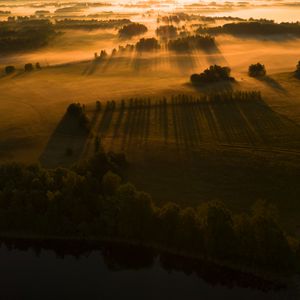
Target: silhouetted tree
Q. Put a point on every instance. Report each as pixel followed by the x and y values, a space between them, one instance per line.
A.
pixel 257 70
pixel 149 44
pixel 9 69
pixel 98 106
pixel 28 67
pixel 297 72
pixel 166 31
pixel 213 74
pixel 132 29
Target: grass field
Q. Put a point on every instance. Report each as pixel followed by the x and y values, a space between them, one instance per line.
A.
pixel 32 104
pixel 192 149
pixel 185 151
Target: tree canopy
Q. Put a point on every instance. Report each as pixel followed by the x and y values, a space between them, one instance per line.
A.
pixel 92 200
pixel 132 29
pixel 257 70
pixel 213 74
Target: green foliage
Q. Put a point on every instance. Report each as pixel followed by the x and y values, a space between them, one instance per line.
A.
pixel 257 70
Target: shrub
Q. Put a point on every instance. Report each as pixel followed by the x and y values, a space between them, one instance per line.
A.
pixel 211 75
pixel 28 67
pixel 257 70
pixel 9 69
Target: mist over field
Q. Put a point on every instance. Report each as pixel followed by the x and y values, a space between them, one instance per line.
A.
pixel 162 137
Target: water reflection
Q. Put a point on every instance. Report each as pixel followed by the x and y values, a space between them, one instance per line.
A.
pixel 112 271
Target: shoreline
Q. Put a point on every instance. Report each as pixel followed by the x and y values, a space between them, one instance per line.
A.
pixel 92 243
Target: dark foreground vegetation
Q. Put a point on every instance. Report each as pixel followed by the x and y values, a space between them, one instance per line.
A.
pixel 213 74
pixel 91 201
pixel 262 28
pixel 24 34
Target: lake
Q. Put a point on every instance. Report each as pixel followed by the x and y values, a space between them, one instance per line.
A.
pixel 115 273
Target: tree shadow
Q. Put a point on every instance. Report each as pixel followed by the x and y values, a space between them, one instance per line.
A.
pixel 272 83
pixel 218 87
pixel 215 57
pixel 185 63
pixel 66 144
pixel 91 68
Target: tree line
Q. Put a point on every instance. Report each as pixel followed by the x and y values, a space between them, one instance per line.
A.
pixel 90 24
pixel 196 42
pixel 133 29
pixel 24 34
pixel 257 27
pixel 92 200
pixel 216 73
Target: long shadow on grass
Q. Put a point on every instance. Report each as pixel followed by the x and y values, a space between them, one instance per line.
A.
pixel 66 143
pixel 106 119
pixel 218 87
pixel 92 67
pixel 247 121
pixel 272 83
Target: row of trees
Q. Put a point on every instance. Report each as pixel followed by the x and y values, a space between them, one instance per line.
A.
pixel 24 34
pixel 166 31
pixel 259 70
pixel 90 24
pixel 27 68
pixel 147 44
pixel 258 27
pixel 217 73
pixel 91 200
pixel 196 42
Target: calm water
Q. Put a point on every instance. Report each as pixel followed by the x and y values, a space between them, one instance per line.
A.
pixel 104 274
